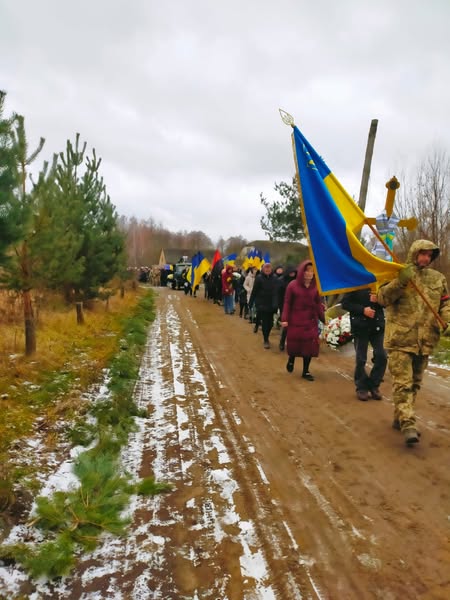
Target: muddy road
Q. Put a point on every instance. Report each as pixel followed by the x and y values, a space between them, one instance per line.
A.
pixel 283 488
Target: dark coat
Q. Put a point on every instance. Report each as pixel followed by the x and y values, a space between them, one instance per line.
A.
pixel 302 310
pixel 355 302
pixel 265 293
pixel 285 280
pixel 215 281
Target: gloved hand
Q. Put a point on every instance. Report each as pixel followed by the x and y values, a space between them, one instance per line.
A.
pixel 405 274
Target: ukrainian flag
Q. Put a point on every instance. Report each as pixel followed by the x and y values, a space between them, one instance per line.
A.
pixel 255 259
pixel 195 261
pixel 230 259
pixel 258 260
pixel 332 221
pixel 200 266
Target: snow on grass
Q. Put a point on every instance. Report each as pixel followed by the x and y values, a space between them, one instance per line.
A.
pixel 142 553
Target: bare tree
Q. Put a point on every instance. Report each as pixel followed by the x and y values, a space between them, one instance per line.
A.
pixel 234 244
pixel 146 239
pixel 405 208
pixel 428 199
pixel 197 240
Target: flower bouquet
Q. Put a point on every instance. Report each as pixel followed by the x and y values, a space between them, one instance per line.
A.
pixel 337 331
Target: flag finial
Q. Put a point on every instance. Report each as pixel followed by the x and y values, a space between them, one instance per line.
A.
pixel 286 118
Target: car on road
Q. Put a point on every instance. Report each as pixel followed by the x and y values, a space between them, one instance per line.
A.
pixel 179 272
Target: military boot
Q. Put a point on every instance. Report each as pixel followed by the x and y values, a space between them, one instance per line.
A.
pixel 411 436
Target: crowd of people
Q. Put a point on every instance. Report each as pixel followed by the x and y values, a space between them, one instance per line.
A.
pixel 286 298
pixel 401 321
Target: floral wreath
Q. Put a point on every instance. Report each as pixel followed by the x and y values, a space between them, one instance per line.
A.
pixel 337 332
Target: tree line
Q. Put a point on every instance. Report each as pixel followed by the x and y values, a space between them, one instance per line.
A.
pixel 145 239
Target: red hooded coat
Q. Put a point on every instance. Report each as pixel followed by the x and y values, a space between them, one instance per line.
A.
pixel 227 281
pixel 302 309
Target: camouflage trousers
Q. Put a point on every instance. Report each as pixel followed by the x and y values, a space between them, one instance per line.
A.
pixel 407 373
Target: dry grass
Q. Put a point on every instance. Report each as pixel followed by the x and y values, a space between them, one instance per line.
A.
pixel 36 391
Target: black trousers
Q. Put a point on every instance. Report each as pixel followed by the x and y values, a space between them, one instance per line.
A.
pixel 265 317
pixel 363 380
pixel 243 308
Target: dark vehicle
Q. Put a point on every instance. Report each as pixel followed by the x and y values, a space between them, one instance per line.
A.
pixel 179 274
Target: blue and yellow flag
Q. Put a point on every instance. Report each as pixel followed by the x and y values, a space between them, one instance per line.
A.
pixel 332 219
pixel 253 259
pixel 246 263
pixel 230 259
pixel 257 259
pixel 195 261
pixel 200 266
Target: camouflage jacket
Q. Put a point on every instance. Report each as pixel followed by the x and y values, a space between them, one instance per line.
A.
pixel 410 324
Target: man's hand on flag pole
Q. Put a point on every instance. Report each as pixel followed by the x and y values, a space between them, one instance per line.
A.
pixel 405 274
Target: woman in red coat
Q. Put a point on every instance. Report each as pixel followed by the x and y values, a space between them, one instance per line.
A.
pixel 302 310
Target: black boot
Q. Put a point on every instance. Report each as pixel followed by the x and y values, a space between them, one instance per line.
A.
pixel 290 364
pixel 283 339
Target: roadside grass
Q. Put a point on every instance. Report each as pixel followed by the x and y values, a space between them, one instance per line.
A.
pixel 42 392
pixel 72 521
pixel 69 358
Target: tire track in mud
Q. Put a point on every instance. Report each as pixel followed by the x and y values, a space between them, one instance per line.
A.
pixel 291 563
pixel 331 539
pixel 251 571
pixel 218 545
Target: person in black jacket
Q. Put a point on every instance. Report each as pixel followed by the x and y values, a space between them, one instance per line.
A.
pixel 264 297
pixel 367 323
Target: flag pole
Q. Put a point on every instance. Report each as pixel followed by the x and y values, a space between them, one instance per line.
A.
pixel 289 120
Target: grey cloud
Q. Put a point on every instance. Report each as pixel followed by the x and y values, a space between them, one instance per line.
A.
pixel 181 98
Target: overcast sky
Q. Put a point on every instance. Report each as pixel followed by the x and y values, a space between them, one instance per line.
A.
pixel 180 98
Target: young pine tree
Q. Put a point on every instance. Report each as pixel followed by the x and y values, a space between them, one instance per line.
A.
pixel 17 273
pixel 104 242
pixel 90 222
pixel 9 204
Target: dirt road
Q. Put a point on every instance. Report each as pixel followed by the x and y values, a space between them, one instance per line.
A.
pixel 284 488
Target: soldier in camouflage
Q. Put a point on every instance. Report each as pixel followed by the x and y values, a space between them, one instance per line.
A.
pixel 412 331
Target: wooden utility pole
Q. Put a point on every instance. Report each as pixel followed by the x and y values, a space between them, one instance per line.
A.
pixel 367 164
